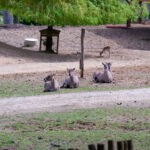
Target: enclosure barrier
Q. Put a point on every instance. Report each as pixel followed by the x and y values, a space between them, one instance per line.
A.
pixel 111 145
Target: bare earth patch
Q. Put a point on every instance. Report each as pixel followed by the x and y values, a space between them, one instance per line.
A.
pixel 128 48
pixel 130 57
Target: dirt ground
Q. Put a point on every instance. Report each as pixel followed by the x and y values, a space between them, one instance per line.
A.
pixel 124 77
pixel 66 102
pixel 129 54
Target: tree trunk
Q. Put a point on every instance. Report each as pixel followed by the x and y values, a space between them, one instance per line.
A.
pixel 49 42
pixel 8 19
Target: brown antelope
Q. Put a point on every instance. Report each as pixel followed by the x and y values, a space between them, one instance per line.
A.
pixel 104 76
pixel 72 81
pixel 51 84
pixel 107 48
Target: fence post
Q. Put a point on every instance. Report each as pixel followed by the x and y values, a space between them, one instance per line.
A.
pixel 125 145
pixel 92 147
pixel 100 147
pixel 82 53
pixel 130 145
pixel 73 149
pixel 120 145
pixel 110 145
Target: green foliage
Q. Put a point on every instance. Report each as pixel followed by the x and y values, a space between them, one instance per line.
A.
pixel 72 12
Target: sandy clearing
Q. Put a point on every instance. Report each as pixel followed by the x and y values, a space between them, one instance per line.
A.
pixel 128 48
pixel 57 66
pixel 65 102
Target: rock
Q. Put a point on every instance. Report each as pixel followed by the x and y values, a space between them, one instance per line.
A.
pixel 119 103
pixel 30 42
pixel 40 138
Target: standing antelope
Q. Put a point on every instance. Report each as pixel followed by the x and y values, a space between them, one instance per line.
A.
pixel 72 81
pixel 107 48
pixel 104 76
pixel 51 84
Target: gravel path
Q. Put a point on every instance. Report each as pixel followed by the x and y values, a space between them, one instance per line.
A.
pixel 65 102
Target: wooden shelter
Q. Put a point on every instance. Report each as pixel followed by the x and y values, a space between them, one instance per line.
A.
pixel 49 33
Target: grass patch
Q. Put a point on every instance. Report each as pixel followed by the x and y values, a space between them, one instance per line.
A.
pixel 75 129
pixel 13 89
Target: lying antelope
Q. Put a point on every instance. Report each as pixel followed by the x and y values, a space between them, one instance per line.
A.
pixel 51 84
pixel 104 76
pixel 72 81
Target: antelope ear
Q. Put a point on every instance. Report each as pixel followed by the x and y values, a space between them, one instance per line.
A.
pixel 53 74
pixel 103 63
pixel 109 64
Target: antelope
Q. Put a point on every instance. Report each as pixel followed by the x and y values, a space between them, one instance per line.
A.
pixel 72 81
pixel 51 84
pixel 104 76
pixel 107 48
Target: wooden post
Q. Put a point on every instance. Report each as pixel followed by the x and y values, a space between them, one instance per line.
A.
pixel 110 145
pixel 57 44
pixel 92 147
pixel 100 147
pixel 82 53
pixel 130 145
pixel 73 149
pixel 40 42
pixel 140 19
pixel 125 145
pixel 120 145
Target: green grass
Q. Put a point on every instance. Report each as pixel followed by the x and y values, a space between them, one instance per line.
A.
pixel 12 89
pixel 75 129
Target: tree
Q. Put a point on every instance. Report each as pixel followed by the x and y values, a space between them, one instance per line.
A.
pixel 70 12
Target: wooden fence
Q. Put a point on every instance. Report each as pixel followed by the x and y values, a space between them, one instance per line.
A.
pixel 111 145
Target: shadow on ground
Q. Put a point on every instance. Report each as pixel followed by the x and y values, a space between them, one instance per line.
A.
pixel 136 38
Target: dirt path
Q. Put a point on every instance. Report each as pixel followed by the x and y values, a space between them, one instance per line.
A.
pixel 65 102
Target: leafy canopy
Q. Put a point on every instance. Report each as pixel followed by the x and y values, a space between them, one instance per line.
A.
pixel 72 12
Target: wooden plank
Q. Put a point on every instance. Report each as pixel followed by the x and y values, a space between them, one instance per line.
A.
pixel 82 53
